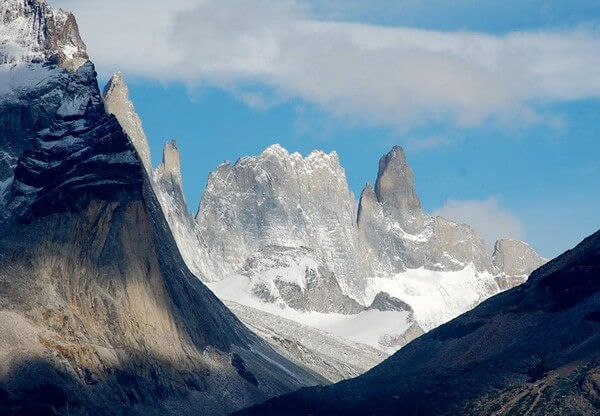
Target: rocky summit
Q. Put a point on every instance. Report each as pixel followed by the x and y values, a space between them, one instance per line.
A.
pixel 117 102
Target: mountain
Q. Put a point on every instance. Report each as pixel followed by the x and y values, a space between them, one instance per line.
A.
pixel 98 310
pixel 280 233
pixel 398 235
pixel 280 199
pixel 513 261
pixel 530 350
pixel 302 344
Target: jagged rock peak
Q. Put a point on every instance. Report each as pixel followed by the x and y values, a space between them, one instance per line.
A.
pixel 366 201
pixel 171 161
pixel 515 259
pixel 316 157
pixel 32 31
pixel 118 103
pixel 283 199
pixel 395 185
pixel 277 158
pixel 276 149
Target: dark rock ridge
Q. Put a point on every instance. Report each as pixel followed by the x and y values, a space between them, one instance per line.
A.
pixel 82 156
pixel 530 350
pixel 99 312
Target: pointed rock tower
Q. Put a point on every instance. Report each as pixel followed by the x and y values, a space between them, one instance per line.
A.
pixel 169 189
pixel 117 102
pixel 397 235
pixel 395 185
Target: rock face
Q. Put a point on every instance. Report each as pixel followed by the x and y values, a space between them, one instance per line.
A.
pixel 99 313
pixel 81 156
pixel 294 277
pixel 282 199
pixel 117 102
pixel 33 32
pixel 514 261
pixel 395 186
pixel 384 302
pixel 530 350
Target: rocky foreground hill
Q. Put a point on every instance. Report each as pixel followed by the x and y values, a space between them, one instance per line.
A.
pixel 99 314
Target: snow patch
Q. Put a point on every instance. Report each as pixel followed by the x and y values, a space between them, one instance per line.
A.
pixel 366 327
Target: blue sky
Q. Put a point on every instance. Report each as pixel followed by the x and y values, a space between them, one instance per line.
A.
pixel 496 103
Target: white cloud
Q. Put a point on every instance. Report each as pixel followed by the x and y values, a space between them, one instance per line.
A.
pixel 374 74
pixel 487 217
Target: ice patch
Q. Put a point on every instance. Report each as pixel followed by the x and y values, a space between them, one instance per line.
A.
pixel 436 297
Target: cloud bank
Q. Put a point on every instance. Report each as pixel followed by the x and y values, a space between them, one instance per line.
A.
pixel 491 221
pixel 364 72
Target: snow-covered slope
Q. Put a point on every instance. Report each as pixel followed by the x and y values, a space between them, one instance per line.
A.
pixel 384 330
pixel 435 296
